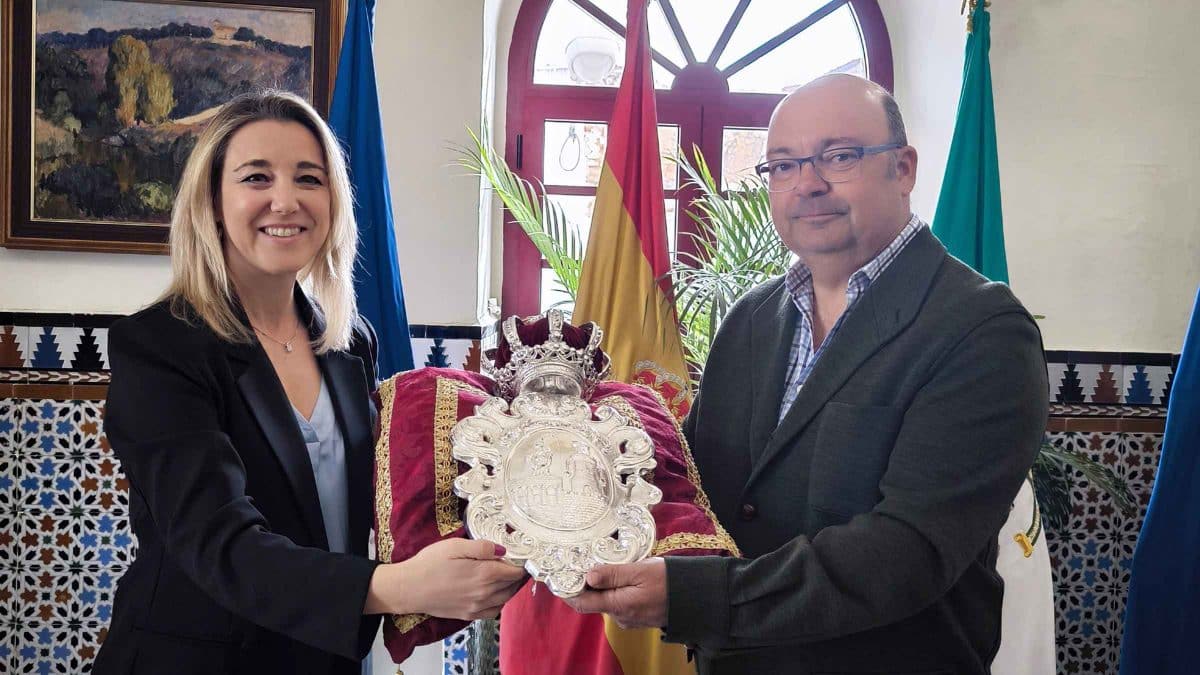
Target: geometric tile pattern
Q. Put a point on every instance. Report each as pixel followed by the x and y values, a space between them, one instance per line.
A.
pixel 54 353
pixel 1100 410
pixel 444 353
pixel 64 534
pixel 1092 556
pixel 79 343
pixel 474 650
pixel 1110 378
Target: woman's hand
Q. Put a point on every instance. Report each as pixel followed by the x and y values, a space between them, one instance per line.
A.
pixel 453 579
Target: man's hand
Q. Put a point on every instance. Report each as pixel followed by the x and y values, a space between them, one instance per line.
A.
pixel 634 595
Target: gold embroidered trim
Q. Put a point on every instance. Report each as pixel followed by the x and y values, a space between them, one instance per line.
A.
pixel 445 470
pixel 685 540
pixel 407 622
pixel 720 539
pixel 384 544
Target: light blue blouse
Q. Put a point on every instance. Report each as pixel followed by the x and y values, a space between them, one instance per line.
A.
pixel 327 452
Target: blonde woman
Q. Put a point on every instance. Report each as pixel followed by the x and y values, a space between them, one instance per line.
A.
pixel 240 411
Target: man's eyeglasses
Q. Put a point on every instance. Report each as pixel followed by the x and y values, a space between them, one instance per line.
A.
pixel 835 165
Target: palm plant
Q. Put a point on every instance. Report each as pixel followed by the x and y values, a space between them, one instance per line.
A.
pixel 543 221
pixel 736 249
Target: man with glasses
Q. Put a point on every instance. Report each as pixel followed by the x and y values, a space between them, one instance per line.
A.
pixel 862 427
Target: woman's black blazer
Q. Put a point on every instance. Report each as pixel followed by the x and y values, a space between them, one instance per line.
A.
pixel 233 572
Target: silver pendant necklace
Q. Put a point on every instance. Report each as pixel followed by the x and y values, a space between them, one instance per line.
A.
pixel 286 344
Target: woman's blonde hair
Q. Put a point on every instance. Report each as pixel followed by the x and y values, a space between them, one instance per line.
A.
pixel 200 283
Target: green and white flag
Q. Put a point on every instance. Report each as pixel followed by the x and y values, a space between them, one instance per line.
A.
pixel 970 222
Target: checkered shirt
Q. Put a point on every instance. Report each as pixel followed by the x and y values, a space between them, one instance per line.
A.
pixel 799 285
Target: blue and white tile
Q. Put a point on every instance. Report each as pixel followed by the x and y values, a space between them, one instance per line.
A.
pixel 44 349
pixel 456 352
pixel 1088 374
pixel 101 337
pixel 1054 376
pixel 68 341
pixel 421 348
pixel 1156 377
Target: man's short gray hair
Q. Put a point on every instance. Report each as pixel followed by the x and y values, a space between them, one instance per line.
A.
pixel 895 121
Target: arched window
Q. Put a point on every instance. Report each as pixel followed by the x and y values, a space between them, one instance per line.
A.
pixel 720 67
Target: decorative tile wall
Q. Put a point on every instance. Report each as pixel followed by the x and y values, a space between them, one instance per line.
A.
pixel 64 538
pixel 1110 407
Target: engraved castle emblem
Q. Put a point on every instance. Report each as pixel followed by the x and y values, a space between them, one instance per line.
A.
pixel 558 483
pixel 560 488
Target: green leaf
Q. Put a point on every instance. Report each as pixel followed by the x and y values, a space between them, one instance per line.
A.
pixel 542 220
pixel 1052 482
pixel 736 249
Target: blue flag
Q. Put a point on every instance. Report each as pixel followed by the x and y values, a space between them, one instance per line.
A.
pixel 1162 615
pixel 354 117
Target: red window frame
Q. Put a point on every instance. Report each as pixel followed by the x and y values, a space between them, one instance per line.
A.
pixel 699 102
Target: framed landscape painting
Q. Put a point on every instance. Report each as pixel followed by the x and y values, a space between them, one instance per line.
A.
pixel 102 100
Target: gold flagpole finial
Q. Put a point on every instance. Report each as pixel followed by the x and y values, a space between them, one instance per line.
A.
pixel 971 15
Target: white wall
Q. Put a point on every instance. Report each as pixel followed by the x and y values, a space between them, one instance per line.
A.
pixel 500 19
pixel 1098 117
pixel 96 283
pixel 1098 140
pixel 429 60
pixel 927 57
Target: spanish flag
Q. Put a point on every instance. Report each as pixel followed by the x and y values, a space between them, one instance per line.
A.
pixel 625 286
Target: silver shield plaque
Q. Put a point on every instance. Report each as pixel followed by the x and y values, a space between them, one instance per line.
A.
pixel 560 490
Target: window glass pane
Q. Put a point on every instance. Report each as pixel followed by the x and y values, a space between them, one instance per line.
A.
pixel 741 149
pixel 702 22
pixel 672 207
pixel 763 20
pixel 833 44
pixel 663 79
pixel 614 8
pixel 668 147
pixel 578 210
pixel 662 38
pixel 574 153
pixel 598 46
pixel 553 294
pixel 564 23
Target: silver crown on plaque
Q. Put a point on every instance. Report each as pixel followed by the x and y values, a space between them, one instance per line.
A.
pixel 553 363
pixel 562 490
